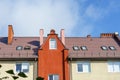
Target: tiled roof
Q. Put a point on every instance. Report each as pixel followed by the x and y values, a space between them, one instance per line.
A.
pixel 93 47
pixel 9 51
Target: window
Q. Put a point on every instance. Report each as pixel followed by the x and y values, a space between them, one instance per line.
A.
pixel 52 43
pixel 19 48
pixel 27 48
pixel 112 48
pixel 76 48
pixel 22 67
pixel 53 77
pixel 83 67
pixel 104 48
pixel 113 66
pixel 83 48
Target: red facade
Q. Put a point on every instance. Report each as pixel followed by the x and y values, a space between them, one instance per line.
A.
pixel 53 61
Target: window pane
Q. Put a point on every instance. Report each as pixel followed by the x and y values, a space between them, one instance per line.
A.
pixel 56 77
pixel 83 47
pixel 116 67
pixel 110 67
pixel 80 67
pixel 25 67
pixel 50 77
pixel 18 67
pixel 52 44
pixel 86 67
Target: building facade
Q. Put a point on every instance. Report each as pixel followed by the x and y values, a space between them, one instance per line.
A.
pixel 18 54
pixel 52 59
pixel 94 58
pixel 61 58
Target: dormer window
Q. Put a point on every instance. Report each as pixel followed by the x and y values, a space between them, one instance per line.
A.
pixel 19 48
pixel 76 48
pixel 104 48
pixel 84 48
pixel 112 48
pixel 52 44
pixel 27 48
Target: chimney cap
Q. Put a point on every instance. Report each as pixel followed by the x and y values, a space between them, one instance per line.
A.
pixel 116 33
pixel 52 31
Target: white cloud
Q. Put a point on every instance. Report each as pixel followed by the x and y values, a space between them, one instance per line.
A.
pixel 28 16
pixel 77 17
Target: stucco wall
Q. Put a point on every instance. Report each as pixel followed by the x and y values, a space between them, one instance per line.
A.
pixel 99 71
pixel 11 65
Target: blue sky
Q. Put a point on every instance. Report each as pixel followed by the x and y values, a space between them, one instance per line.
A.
pixel 77 17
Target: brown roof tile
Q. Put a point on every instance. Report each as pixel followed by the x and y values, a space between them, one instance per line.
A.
pixel 94 47
pixel 9 51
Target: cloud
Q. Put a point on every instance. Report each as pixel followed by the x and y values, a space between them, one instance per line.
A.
pixel 77 17
pixel 28 16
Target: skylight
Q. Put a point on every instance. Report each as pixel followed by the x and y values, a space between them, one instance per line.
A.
pixel 19 48
pixel 104 48
pixel 76 48
pixel 83 48
pixel 112 48
pixel 27 47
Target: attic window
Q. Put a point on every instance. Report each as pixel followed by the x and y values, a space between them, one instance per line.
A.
pixel 19 48
pixel 112 48
pixel 104 48
pixel 52 43
pixel 84 48
pixel 76 48
pixel 27 47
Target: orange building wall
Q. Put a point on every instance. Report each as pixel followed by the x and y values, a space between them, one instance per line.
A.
pixel 53 61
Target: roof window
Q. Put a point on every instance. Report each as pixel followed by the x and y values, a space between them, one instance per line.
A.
pixel 27 47
pixel 19 48
pixel 112 48
pixel 104 48
pixel 84 48
pixel 76 48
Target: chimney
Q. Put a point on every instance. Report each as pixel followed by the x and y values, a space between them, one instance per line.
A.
pixel 41 36
pixel 62 34
pixel 107 35
pixel 88 36
pixel 10 34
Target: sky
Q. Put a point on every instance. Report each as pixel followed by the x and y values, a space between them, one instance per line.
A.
pixel 78 18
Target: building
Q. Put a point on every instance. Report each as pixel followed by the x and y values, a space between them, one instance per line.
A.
pixel 61 58
pixel 94 58
pixel 18 54
pixel 53 57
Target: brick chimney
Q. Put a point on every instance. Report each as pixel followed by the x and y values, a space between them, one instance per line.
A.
pixel 62 34
pixel 107 35
pixel 10 34
pixel 41 36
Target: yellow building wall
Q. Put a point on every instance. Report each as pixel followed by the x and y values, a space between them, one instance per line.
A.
pixel 11 65
pixel 99 71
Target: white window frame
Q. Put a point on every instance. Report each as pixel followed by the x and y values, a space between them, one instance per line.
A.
pixel 23 66
pixel 54 76
pixel 113 66
pixel 85 67
pixel 52 43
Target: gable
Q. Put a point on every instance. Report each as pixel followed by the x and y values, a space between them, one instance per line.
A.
pixel 52 42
